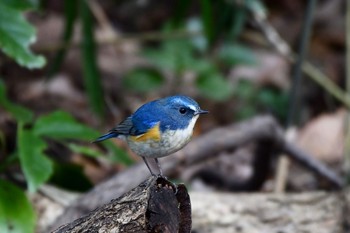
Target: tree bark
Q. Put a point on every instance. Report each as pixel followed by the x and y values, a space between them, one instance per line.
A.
pixel 156 205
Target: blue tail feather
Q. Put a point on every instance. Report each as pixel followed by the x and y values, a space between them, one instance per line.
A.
pixel 106 136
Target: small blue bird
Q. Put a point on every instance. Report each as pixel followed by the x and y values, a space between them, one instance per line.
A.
pixel 158 128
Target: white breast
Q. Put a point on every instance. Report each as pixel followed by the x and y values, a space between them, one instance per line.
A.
pixel 171 141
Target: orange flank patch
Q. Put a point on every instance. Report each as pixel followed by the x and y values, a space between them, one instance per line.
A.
pixel 151 134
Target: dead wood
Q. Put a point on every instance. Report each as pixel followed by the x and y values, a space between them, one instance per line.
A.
pixel 156 205
pixel 321 212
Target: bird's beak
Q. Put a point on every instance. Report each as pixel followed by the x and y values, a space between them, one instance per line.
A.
pixel 200 111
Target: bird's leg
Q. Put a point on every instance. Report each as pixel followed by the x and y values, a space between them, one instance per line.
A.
pixel 159 168
pixel 149 168
pixel 161 175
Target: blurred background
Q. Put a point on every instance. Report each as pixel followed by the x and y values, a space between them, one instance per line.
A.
pixel 71 70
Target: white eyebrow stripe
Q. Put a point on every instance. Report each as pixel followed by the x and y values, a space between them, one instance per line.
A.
pixel 192 107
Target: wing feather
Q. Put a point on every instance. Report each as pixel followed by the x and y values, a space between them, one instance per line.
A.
pixel 126 127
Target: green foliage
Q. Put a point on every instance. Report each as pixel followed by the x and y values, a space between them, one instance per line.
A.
pixel 225 19
pixel 238 16
pixel 180 56
pixel 36 167
pixel 16 212
pixel 61 125
pixel 253 99
pixel 143 79
pixel 89 61
pixel 22 4
pixel 84 150
pixel 234 54
pixel 197 54
pixel 18 112
pixel 70 177
pixel 208 19
pixel 71 14
pixel 214 86
pixel 16 34
pixel 173 55
pixel 92 79
pixel 276 101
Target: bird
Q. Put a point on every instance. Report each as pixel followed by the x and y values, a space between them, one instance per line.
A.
pixel 158 128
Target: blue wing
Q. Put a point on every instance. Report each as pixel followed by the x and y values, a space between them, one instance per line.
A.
pixel 126 127
pixel 132 126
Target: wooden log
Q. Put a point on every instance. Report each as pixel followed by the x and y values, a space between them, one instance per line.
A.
pixel 321 212
pixel 156 205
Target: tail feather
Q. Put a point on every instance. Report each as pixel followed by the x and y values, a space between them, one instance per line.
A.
pixel 106 136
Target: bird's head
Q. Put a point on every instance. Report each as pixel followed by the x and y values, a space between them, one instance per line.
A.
pixel 179 112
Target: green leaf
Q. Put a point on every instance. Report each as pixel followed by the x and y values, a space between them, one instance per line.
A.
pixel 173 55
pixel 275 101
pixel 70 177
pixel 70 13
pixel 246 91
pixel 143 79
pixel 90 69
pixel 61 125
pixel 115 154
pixel 179 13
pixel 239 17
pixel 237 54
pixel 246 112
pixel 18 112
pixel 214 86
pixel 202 65
pixel 84 150
pixel 161 58
pixel 16 34
pixel 207 19
pixel 16 212
pixel 22 4
pixel 36 167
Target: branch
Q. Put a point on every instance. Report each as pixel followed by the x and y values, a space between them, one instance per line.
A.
pixel 312 72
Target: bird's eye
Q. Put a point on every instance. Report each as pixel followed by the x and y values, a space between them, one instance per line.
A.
pixel 182 110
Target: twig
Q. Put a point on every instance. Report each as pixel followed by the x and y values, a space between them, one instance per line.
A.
pixel 294 104
pixel 312 72
pixel 283 164
pixel 294 99
pixel 325 82
pixel 316 166
pixel 99 14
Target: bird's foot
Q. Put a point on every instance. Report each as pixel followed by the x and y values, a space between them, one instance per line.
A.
pixel 163 181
